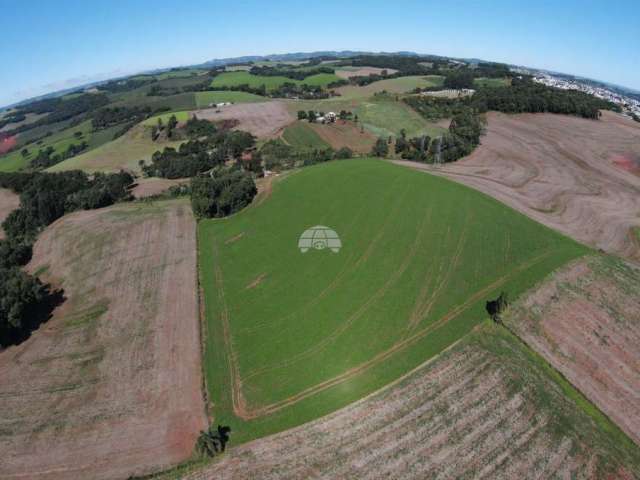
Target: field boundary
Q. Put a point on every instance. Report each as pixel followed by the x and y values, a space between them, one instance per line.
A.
pixel 243 411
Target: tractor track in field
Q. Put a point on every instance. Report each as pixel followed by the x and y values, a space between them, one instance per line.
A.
pixel 472 411
pixel 422 310
pixel 382 356
pixel 239 403
pixel 357 314
pixel 563 172
pixel 348 268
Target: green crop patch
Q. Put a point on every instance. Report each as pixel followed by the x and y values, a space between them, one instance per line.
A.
pixel 295 331
pixel 233 79
pixel 204 99
pixel 300 135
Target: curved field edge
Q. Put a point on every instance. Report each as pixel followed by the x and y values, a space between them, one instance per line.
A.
pixel 449 321
pixel 487 407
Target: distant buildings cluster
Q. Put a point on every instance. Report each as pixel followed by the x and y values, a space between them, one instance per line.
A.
pixel 629 105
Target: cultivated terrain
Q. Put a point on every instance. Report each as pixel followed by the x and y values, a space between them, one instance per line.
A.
pixel 413 278
pixel 448 333
pixel 574 175
pixel 485 408
pixel 585 320
pixel 110 386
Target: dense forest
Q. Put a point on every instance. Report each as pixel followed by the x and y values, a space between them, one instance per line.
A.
pixel 224 192
pixel 206 148
pixel 278 156
pixel 527 96
pixel 59 109
pixel 292 73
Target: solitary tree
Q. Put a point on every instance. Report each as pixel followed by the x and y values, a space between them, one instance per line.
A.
pixel 213 440
pixel 381 148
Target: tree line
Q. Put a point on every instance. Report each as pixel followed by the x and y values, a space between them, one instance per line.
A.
pixel 525 95
pixel 59 109
pixel 278 156
pixel 292 73
pixel 25 302
pixel 206 148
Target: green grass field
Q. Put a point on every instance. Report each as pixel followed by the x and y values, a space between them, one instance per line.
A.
pixel 385 117
pixel 300 135
pixel 180 116
pixel 291 336
pixel 381 115
pixel 232 79
pixel 123 152
pixel 60 141
pixel 392 85
pixel 203 99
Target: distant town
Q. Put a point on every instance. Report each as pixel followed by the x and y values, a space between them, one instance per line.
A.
pixel 630 106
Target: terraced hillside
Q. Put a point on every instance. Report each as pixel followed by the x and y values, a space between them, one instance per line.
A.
pixel 292 336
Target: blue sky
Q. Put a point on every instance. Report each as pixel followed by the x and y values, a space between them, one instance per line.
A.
pixel 48 45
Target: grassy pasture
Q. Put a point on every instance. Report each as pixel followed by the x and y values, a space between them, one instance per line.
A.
pixel 123 152
pixel 386 117
pixel 60 141
pixel 180 116
pixel 232 79
pixel 392 85
pixel 380 115
pixel 293 336
pixel 301 135
pixel 203 99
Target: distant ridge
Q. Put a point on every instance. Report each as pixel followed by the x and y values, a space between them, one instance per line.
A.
pixel 298 56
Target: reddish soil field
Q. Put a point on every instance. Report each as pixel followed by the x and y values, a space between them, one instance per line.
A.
pixel 586 322
pixel 264 120
pixel 559 171
pixel 7 143
pixel 471 413
pixel 111 385
pixel 9 201
pixel 345 134
pixel 363 72
pixel 147 187
pixel 628 162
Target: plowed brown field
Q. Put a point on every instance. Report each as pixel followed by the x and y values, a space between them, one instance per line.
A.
pixel 265 119
pixel 477 411
pixel 586 322
pixel 148 187
pixel 111 385
pixel 563 172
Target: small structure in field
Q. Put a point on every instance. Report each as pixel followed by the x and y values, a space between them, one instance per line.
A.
pixel 220 104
